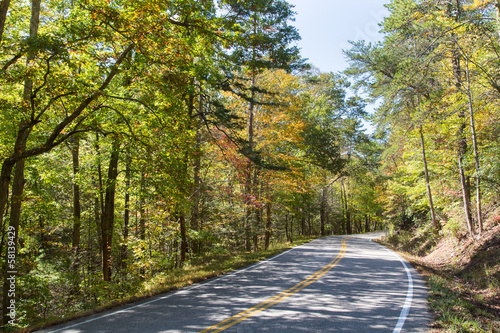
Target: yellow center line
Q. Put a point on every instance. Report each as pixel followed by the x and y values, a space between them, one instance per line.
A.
pixel 278 298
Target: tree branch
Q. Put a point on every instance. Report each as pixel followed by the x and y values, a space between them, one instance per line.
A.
pixel 51 140
pixel 12 61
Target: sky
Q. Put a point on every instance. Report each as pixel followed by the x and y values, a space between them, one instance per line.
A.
pixel 326 26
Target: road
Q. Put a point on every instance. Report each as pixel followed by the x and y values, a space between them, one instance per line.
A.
pixel 332 284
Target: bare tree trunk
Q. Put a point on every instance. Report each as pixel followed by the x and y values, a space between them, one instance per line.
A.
pixel 108 216
pixel 427 182
pixel 259 221
pixel 462 149
pixel 462 142
pixel 342 220
pixel 286 228
pixel 465 192
pixel 345 199
pixel 182 226
pixel 248 182
pixel 322 212
pixel 309 220
pixel 142 210
pixel 142 214
pixel 476 151
pixel 97 221
pixel 75 147
pixel 195 214
pixel 126 214
pixel 268 225
pixel 99 199
pixel 257 210
pixel 248 214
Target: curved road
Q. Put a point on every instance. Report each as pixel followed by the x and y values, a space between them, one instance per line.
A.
pixel 332 284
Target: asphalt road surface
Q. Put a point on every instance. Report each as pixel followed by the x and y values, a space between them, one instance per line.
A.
pixel 332 284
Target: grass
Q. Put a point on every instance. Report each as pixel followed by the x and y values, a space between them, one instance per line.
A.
pixel 198 271
pixel 457 307
pixel 462 277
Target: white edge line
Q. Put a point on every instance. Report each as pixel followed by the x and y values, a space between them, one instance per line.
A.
pixel 409 294
pixel 409 297
pixel 198 285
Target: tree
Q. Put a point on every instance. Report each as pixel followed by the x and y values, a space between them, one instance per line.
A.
pixel 428 71
pixel 86 42
pixel 262 38
pixel 9 298
pixel 404 67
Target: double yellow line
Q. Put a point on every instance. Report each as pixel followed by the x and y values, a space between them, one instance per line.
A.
pixel 278 298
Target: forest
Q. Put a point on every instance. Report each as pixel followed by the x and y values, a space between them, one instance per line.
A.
pixel 142 138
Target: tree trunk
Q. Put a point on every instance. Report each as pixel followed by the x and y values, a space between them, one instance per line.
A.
pixel 99 199
pixel 258 223
pixel 108 216
pixel 4 7
pixel 248 215
pixel 142 210
pixel 43 239
pixel 476 151
pixel 126 214
pixel 141 229
pixel 497 5
pixel 309 221
pixel 97 221
pixel 75 147
pixel 182 226
pixel 248 182
pixel 9 295
pixel 303 221
pixel 5 177
pixel 257 210
pixel 465 194
pixel 17 192
pixel 322 212
pixel 286 228
pixel 11 260
pixel 195 214
pixel 348 225
pixel 462 141
pixel 427 183
pixel 268 225
pixel 462 149
pixel 24 130
pixel 341 222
